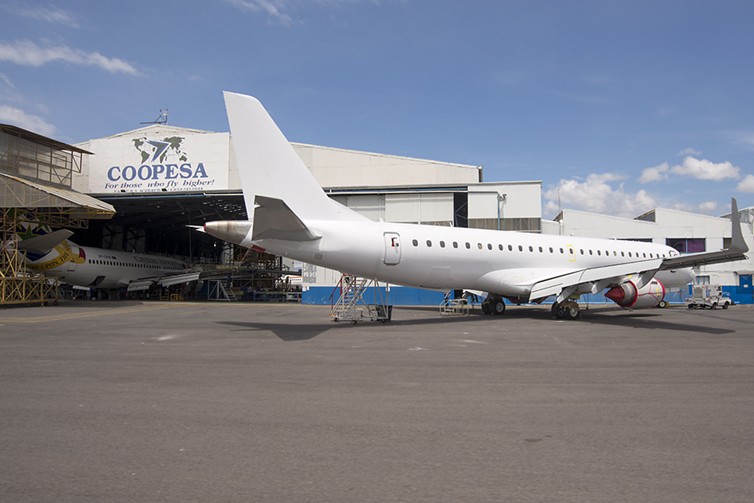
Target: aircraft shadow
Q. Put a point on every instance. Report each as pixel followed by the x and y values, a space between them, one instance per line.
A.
pixel 299 332
pixel 647 321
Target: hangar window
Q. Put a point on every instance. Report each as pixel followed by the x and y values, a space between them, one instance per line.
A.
pixel 692 245
pixel 415 242
pixel 429 244
pixel 442 244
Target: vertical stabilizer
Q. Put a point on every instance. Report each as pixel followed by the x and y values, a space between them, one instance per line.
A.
pixel 269 167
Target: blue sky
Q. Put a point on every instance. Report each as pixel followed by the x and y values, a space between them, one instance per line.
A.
pixel 618 107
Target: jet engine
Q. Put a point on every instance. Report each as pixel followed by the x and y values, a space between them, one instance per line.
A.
pixel 627 295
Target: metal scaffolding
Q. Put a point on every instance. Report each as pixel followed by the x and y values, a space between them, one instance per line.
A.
pixel 36 174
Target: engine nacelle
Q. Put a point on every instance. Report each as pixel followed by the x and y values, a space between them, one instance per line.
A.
pixel 627 295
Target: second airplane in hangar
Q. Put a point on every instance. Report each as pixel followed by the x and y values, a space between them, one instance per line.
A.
pixel 293 217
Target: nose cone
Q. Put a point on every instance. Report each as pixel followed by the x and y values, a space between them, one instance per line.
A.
pixel 234 231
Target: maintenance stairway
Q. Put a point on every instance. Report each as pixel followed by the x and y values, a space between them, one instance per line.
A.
pixel 351 305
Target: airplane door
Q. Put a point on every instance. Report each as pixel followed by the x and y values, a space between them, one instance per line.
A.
pixel 392 248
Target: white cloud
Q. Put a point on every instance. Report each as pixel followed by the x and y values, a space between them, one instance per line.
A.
pixel 28 53
pixel 655 173
pixel 743 139
pixel 689 151
pixel 596 194
pixel 702 169
pixel 17 117
pixel 746 185
pixel 48 14
pixel 708 206
pixel 273 8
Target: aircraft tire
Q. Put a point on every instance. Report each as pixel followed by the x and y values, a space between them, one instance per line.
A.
pixel 555 311
pixel 499 307
pixel 486 307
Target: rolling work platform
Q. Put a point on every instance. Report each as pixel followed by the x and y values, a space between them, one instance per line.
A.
pixel 351 304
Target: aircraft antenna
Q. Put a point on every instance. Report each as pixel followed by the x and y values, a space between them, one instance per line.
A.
pixel 161 119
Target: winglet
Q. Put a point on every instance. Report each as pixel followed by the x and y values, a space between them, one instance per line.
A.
pixel 737 243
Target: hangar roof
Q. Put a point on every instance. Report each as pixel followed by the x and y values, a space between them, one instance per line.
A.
pixel 17 192
pixel 38 138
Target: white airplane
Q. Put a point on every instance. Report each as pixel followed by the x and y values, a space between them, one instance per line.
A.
pixel 54 255
pixel 293 217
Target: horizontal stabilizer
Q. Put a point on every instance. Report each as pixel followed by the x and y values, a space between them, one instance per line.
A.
pixel 273 219
pixel 44 243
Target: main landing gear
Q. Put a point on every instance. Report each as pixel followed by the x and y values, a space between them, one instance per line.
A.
pixel 566 310
pixel 493 304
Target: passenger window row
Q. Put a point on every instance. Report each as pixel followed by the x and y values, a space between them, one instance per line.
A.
pixel 540 249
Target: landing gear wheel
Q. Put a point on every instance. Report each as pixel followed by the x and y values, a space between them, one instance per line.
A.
pixel 554 311
pixel 499 307
pixel 486 307
pixel 568 310
pixel 662 304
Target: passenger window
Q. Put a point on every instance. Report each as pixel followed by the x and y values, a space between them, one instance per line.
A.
pixel 500 247
pixel 442 244
pixel 531 248
pixel 455 244
pixel 590 252
pixel 540 249
pixel 561 251
pixel 429 244
pixel 489 246
pixel 510 247
pixel 468 245
pixel 551 250
pixel 479 245
pixel 520 248
pixel 570 250
pixel 622 254
pixel 415 242
pixel 581 251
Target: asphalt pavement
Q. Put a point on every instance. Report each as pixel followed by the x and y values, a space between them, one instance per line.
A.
pixel 201 402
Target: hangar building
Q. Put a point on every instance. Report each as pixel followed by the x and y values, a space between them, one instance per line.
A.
pixel 162 178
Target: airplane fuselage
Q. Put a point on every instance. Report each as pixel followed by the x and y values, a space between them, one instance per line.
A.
pixel 100 268
pixel 428 256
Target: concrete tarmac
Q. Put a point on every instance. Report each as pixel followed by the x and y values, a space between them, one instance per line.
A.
pixel 183 402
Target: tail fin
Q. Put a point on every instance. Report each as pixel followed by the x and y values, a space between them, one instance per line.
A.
pixel 269 167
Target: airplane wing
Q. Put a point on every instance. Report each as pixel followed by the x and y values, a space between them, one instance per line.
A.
pixel 166 280
pixel 737 250
pixel 596 279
